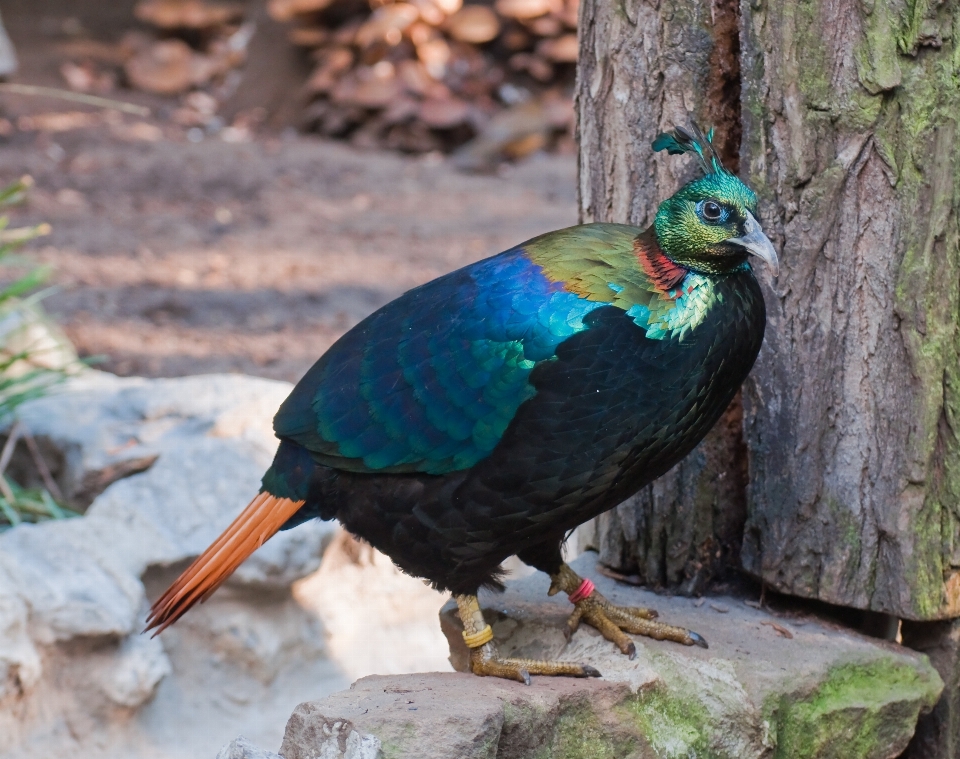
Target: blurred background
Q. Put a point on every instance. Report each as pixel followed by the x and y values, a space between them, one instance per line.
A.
pixel 292 166
pixel 229 188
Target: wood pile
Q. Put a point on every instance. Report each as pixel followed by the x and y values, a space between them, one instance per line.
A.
pixel 426 75
pixel 195 43
pixel 490 79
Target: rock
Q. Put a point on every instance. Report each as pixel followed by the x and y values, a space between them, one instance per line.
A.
pixel 189 454
pixel 310 734
pixel 938 733
pixel 825 692
pixel 241 748
pixel 8 56
pixel 460 716
pixel 73 586
pixel 20 666
pixel 756 693
pixel 140 665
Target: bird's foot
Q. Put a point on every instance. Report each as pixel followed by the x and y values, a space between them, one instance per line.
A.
pixel 486 661
pixel 612 621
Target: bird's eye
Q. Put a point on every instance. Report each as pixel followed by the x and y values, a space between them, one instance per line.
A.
pixel 712 211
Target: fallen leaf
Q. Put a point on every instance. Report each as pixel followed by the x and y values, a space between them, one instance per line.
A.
pixel 781 630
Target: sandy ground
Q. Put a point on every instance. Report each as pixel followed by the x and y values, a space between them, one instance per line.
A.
pixel 174 258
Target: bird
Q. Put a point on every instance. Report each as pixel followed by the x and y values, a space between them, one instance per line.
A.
pixel 491 411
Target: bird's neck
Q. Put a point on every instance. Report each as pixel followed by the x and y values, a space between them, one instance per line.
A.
pixel 663 272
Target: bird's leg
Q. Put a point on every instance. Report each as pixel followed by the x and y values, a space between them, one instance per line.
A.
pixel 485 660
pixel 613 621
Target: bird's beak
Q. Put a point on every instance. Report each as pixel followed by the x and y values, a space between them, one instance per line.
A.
pixel 757 243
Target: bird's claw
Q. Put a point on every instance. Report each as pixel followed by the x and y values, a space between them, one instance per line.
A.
pixel 697 639
pixel 614 622
pixel 486 661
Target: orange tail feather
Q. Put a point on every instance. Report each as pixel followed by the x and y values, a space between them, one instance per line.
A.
pixel 258 522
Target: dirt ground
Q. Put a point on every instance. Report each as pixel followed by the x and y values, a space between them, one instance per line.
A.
pixel 173 257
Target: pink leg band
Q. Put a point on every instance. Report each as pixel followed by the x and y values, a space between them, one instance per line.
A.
pixel 584 591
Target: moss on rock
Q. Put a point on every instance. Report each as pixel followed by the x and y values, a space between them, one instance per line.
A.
pixel 860 711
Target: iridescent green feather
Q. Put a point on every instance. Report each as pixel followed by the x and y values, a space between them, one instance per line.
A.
pixel 595 261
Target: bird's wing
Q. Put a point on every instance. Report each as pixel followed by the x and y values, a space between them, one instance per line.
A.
pixel 430 382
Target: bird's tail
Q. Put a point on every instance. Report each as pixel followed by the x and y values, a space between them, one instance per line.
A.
pixel 259 521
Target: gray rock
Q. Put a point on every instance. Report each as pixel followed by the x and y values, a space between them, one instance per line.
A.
pixel 460 716
pixel 8 56
pixel 72 594
pixel 767 687
pixel 139 666
pixel 241 748
pixel 824 692
pixel 20 666
pixel 212 440
pixel 310 735
pixel 938 733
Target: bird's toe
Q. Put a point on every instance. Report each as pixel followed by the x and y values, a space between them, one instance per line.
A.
pixel 697 639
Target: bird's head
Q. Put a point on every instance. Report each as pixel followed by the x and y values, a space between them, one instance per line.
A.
pixel 710 224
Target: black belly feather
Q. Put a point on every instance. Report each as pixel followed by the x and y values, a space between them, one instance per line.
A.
pixel 586 441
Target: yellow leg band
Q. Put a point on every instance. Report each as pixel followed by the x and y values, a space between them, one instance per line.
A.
pixel 478 638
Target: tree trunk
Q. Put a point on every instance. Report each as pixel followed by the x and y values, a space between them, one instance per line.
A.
pixel 645 67
pixel 848 123
pixel 850 138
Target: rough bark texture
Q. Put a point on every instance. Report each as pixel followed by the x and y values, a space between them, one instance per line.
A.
pixel 850 112
pixel 644 67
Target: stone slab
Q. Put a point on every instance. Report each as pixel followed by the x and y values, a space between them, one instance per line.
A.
pixel 458 716
pixel 74 669
pixel 938 733
pixel 767 688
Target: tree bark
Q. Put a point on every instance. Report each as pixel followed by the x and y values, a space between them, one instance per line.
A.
pixel 645 67
pixel 850 138
pixel 843 114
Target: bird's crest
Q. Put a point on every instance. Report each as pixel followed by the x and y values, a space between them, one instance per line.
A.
pixel 693 140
